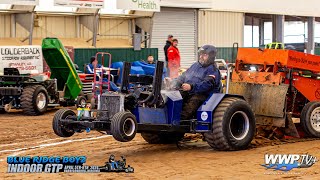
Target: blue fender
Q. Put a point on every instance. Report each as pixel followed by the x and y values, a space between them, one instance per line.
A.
pixel 170 114
pixel 205 111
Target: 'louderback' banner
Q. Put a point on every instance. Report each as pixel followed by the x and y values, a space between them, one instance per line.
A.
pixel 25 58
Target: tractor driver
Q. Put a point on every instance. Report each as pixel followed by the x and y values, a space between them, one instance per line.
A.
pixel 199 81
pixel 90 70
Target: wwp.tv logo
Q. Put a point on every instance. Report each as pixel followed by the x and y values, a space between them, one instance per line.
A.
pixel 286 162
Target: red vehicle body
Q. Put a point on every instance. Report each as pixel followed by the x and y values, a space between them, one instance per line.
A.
pixel 282 86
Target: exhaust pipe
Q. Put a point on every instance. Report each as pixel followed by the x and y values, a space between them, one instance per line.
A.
pixel 229 68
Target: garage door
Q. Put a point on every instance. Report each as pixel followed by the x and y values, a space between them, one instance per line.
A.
pixel 181 23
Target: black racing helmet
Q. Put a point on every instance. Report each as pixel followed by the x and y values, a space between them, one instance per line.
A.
pixel 210 51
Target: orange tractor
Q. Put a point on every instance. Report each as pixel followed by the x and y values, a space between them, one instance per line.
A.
pixel 282 87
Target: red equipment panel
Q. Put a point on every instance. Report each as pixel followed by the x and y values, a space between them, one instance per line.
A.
pixel 289 58
pixel 309 87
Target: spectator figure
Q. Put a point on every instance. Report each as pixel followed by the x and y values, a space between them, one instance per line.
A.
pixel 90 70
pixel 165 50
pixel 150 59
pixel 174 59
pixel 166 47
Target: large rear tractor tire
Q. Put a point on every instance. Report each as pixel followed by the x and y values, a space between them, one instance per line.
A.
pixel 34 100
pixel 310 119
pixel 56 124
pixel 233 125
pixel 124 126
pixel 162 138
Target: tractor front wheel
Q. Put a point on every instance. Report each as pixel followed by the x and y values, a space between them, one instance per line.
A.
pixel 56 123
pixel 81 100
pixel 34 100
pixel 233 125
pixel 310 119
pixel 123 126
pixel 162 137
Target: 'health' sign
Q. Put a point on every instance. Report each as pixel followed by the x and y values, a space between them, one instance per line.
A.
pixel 139 5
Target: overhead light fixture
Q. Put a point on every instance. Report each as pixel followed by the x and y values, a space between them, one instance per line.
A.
pixel 5 6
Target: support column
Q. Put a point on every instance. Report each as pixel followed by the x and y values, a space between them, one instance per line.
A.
pixel 133 26
pixel 95 30
pixel 252 32
pixel 31 28
pixel 78 27
pixel 261 32
pixel 310 43
pixel 26 20
pixel 92 23
pixel 278 28
pixel 150 33
pixel 13 26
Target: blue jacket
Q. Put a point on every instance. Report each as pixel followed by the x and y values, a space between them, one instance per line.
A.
pixel 201 79
pixel 90 69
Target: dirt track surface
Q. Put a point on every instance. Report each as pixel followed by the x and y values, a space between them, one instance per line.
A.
pixel 25 135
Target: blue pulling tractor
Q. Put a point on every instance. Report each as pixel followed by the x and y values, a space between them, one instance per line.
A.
pixel 227 121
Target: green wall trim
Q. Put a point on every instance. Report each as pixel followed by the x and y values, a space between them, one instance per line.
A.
pixel 226 54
